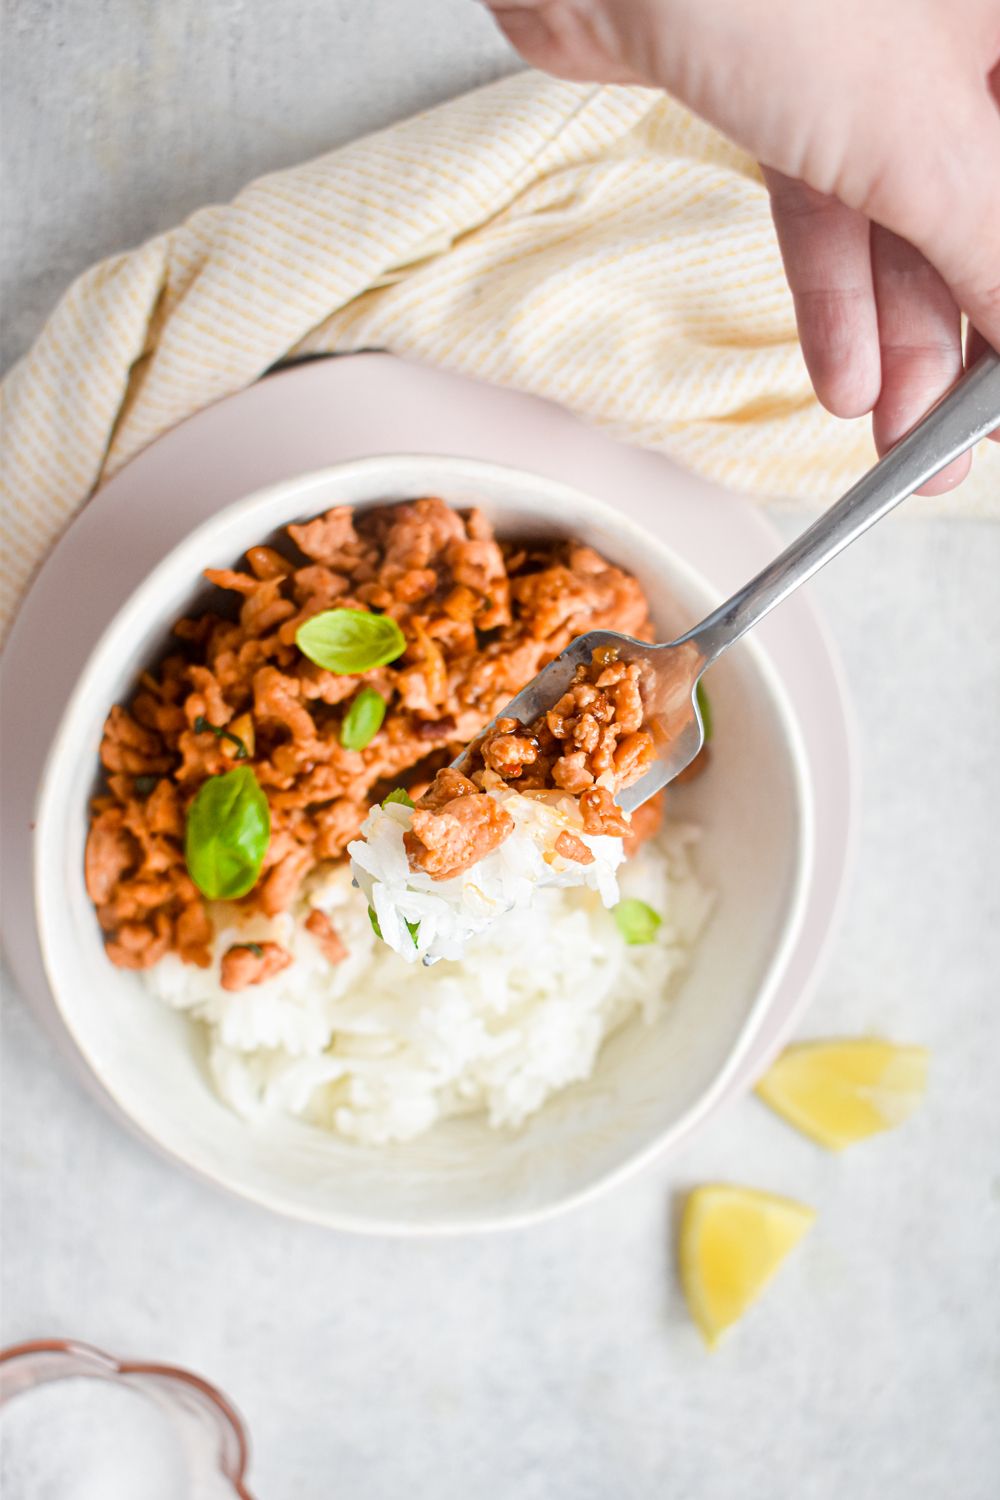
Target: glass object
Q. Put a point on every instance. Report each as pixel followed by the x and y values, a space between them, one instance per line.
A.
pixel 77 1423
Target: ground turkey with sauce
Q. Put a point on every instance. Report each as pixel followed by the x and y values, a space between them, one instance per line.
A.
pixel 480 617
pixel 591 743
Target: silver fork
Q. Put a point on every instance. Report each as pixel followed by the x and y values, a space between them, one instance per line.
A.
pixel 671 672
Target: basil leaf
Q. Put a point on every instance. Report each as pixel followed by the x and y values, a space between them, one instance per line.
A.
pixel 412 928
pixel 363 719
pixel 349 641
pixel 227 834
pixel 400 795
pixel 705 709
pixel 636 921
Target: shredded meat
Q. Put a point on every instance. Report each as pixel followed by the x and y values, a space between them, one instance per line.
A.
pixel 111 852
pixel 506 752
pixel 277 888
pixel 129 747
pixel 140 945
pixel 593 734
pixel 601 814
pixel 447 786
pixel 590 743
pixel 480 618
pixel 571 847
pixel 251 963
pixel 193 932
pixel 594 730
pixel 327 937
pixel 459 834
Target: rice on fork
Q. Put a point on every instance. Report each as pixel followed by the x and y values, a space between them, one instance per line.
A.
pixel 537 810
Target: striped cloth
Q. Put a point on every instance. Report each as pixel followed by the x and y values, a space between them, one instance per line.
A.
pixel 599 246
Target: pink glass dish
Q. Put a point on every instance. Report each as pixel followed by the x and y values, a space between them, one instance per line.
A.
pixel 207 1427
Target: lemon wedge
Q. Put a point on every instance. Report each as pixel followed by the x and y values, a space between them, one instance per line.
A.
pixel 840 1092
pixel 733 1239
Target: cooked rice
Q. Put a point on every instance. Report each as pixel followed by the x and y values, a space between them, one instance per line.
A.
pixel 379 1051
pixel 422 917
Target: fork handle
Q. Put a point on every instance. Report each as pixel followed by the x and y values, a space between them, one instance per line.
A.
pixel 969 411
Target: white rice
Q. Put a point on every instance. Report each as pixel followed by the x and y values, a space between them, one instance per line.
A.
pixel 378 1050
pixel 423 918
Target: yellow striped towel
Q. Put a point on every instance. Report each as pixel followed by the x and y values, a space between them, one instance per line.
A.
pixel 599 246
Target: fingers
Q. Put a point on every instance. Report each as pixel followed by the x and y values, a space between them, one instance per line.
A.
pixel 571 38
pixel 961 238
pixel 975 345
pixel 825 248
pixel 949 207
pixel 920 336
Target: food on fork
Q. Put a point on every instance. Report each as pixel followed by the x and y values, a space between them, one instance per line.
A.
pixel 537 809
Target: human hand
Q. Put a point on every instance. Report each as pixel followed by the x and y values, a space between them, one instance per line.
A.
pixel 878 129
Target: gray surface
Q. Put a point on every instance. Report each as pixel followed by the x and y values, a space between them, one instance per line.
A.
pixel 557 1363
pixel 120 117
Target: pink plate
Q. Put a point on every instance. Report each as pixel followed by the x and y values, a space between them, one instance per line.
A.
pixel 326 411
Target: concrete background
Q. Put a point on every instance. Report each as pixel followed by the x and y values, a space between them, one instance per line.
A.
pixel 557 1363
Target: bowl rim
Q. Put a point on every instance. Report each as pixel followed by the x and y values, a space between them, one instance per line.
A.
pixel 135 610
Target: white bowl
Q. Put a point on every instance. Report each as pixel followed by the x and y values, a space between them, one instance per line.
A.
pixel 653 1085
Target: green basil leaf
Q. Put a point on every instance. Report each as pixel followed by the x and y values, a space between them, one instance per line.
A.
pixel 400 795
pixel 227 834
pixel 363 719
pixel 636 921
pixel 412 928
pixel 350 641
pixel 705 709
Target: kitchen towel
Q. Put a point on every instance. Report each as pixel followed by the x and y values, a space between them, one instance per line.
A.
pixel 599 246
